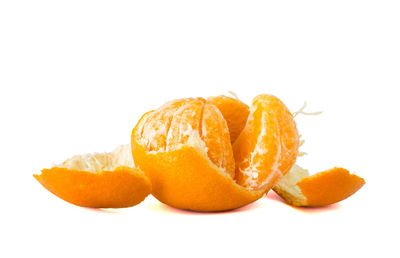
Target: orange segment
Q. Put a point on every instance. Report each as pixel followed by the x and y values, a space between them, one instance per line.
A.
pixel 158 123
pixel 321 189
pixel 234 111
pixel 215 133
pixel 98 180
pixel 268 145
pixel 185 125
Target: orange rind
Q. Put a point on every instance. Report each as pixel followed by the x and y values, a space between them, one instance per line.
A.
pixel 106 180
pixel 185 149
pixel 298 188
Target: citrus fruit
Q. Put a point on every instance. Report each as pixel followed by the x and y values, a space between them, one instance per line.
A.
pixel 185 149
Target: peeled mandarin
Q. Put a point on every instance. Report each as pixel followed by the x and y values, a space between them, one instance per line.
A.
pixel 184 147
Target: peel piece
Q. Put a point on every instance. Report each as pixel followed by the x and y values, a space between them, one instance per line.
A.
pixel 298 188
pixel 106 180
pixel 186 179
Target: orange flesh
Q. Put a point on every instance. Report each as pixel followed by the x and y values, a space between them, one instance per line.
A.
pixel 123 187
pixel 330 186
pixel 215 134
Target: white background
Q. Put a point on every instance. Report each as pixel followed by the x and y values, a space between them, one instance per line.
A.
pixel 76 75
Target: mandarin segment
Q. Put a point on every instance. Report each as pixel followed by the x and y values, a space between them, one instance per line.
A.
pixel 155 125
pixel 268 145
pixel 215 135
pixel 234 111
pixel 185 125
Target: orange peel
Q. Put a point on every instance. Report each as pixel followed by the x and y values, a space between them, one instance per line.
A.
pixel 184 147
pixel 106 180
pixel 298 188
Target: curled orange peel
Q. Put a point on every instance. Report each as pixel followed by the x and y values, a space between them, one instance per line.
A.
pixel 298 188
pixel 106 180
pixel 185 149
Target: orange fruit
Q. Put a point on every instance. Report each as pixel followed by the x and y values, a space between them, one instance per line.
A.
pixel 321 189
pixel 106 180
pixel 185 148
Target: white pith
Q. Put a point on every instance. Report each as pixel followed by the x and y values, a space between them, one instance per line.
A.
pixel 97 162
pixel 287 185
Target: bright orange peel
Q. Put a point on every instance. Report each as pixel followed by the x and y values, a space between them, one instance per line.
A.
pixel 321 189
pixel 106 180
